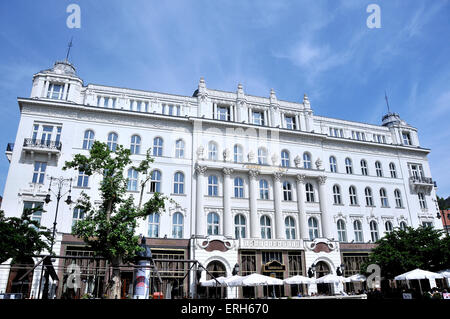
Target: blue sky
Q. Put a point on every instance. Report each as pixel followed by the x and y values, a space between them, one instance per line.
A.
pixel 322 48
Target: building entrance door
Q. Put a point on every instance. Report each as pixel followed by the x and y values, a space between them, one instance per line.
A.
pixel 323 269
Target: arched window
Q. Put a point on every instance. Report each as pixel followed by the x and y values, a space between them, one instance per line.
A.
pixel 392 170
pixel 333 164
pixel 353 196
pixel 357 226
pixel 178 183
pixel 179 148
pixel 287 191
pixel 266 229
pixel 337 195
pixel 177 225
pixel 309 193
pixel 383 198
pixel 239 226
pixel 238 154
pixel 212 151
pixel 262 156
pixel 213 224
pixel 373 230
pixel 158 146
pixel 238 187
pixel 285 158
pixel 313 228
pixel 403 226
pixel 132 180
pixel 307 160
pixel 153 225
pixel 135 145
pixel 398 198
pixel 364 170
pixel 289 222
pixel 342 233
pixel 112 141
pixel 369 198
pixel 263 189
pixel 378 169
pixel 213 185
pixel 155 181
pixel 388 227
pixel 88 139
pixel 348 166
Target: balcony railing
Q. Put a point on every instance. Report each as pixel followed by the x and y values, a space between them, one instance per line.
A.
pixel 42 144
pixel 421 180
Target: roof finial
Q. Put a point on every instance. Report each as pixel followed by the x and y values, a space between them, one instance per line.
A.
pixel 68 49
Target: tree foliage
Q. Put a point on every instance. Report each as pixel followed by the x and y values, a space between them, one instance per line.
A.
pixel 443 203
pixel 110 229
pixel 404 250
pixel 22 237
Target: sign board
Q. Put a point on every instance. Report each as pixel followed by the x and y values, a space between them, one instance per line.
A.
pixel 274 266
pixel 407 296
pixel 446 295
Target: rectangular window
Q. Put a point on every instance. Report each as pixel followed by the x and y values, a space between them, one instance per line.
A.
pixel 223 113
pixel 258 118
pixel 106 102
pixel 37 215
pixel 138 106
pixel 55 91
pixel 290 122
pixel 406 138
pixel 113 102
pixel 39 172
pixel 83 180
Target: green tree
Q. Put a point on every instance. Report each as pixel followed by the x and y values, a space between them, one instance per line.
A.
pixel 443 203
pixel 404 250
pixel 110 229
pixel 22 237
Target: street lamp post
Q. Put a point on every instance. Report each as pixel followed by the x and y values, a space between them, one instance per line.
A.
pixel 60 183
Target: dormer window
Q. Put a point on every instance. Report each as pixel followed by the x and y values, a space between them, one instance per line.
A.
pixel 290 122
pixel 55 91
pixel 406 138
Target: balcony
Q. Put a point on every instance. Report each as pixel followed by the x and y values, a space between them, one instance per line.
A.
pixel 9 151
pixel 269 244
pixel 34 146
pixel 421 184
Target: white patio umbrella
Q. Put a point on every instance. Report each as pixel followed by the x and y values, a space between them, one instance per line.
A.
pixel 260 280
pixel 356 278
pixel 297 280
pixel 418 274
pixel 219 281
pixel 234 281
pixel 330 279
pixel 445 273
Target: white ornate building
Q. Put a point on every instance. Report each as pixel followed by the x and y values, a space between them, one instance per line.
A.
pixel 259 182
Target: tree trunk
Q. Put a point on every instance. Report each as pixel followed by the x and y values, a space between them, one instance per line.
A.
pixel 116 287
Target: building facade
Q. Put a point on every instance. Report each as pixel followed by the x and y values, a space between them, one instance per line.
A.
pixel 257 182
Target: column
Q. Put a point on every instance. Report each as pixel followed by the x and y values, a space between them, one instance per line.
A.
pixel 302 220
pixel 227 220
pixel 326 216
pixel 279 229
pixel 47 83
pixel 253 193
pixel 64 96
pixel 200 225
